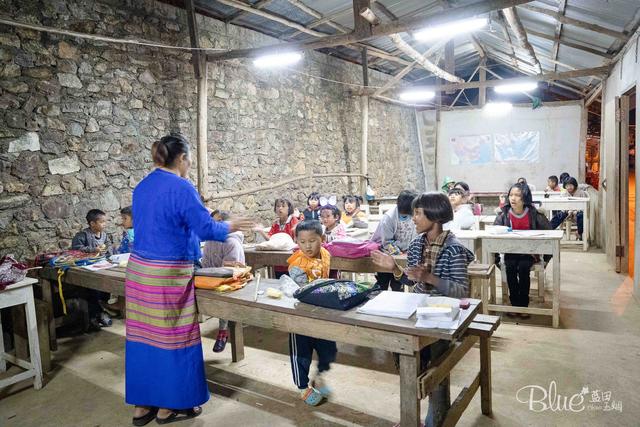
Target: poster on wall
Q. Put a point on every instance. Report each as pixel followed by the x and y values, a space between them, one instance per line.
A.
pixel 517 147
pixel 471 150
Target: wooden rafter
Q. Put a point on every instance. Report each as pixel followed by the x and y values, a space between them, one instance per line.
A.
pixel 396 79
pixel 570 44
pixel 562 5
pixel 601 71
pixel 511 16
pixel 561 18
pixel 409 24
pixel 259 5
pixel 421 60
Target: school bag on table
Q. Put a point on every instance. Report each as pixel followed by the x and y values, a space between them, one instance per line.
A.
pixel 333 293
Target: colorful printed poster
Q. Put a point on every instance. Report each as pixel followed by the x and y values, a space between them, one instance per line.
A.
pixel 517 147
pixel 471 150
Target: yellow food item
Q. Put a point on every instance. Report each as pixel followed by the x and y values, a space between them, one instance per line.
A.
pixel 274 293
pixel 439 305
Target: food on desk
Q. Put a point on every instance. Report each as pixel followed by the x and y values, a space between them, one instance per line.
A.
pixel 274 293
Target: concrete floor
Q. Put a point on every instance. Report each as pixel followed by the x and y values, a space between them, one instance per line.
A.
pixel 597 347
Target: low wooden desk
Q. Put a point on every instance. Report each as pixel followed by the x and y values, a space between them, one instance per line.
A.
pixel 571 204
pixel 534 242
pixel 394 335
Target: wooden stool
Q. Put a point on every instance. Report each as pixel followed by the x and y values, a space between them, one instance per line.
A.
pixel 482 279
pixel 14 295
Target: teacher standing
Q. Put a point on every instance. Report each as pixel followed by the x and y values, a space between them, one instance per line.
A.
pixel 165 376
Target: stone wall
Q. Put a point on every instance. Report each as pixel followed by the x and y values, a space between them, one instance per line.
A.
pixel 77 118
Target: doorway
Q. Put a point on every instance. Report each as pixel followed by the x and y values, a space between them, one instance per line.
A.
pixel 625 181
pixel 631 196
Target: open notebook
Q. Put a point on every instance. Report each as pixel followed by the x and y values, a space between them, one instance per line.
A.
pixel 401 305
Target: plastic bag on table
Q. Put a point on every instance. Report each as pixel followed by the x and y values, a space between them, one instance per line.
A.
pixel 11 271
pixel 287 285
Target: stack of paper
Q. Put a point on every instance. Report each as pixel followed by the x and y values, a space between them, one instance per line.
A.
pixel 102 265
pixel 439 313
pixel 400 305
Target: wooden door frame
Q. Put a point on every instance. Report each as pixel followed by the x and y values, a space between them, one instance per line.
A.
pixel 622 182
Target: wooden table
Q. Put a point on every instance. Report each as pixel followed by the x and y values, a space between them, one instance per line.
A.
pixel 109 280
pixel 534 242
pixel 288 315
pixel 394 335
pixel 571 204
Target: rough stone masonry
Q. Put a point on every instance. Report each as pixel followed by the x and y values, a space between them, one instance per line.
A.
pixel 78 117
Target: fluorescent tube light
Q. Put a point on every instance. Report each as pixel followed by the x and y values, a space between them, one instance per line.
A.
pixel 415 95
pixel 277 59
pixel 516 87
pixel 450 29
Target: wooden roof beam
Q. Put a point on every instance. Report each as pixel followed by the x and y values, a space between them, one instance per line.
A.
pixel 570 44
pixel 561 18
pixel 514 22
pixel 259 5
pixel 405 25
pixel 562 5
pixel 421 60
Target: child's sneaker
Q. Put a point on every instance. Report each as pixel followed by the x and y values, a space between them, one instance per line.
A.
pixel 311 396
pixel 320 384
pixel 221 341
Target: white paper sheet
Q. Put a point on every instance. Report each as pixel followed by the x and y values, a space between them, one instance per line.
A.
pixel 400 305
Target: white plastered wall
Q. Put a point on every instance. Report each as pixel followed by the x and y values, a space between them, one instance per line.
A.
pixel 560 136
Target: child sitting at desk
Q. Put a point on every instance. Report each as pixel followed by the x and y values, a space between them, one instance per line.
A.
pixel 436 264
pixel 520 214
pixel 463 218
pixel 94 239
pixel 330 219
pixel 313 207
pixel 126 244
pixel 219 254
pixel 395 229
pixel 552 184
pixel 571 186
pixel 285 223
pixel 352 215
pixel 308 263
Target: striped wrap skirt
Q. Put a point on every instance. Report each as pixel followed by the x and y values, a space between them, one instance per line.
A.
pixel 163 361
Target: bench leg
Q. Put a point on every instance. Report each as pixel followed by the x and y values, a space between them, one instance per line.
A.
pixel 34 345
pixel 236 336
pixel 409 401
pixel 541 281
pixel 47 296
pixel 3 363
pixel 485 375
pixel 485 295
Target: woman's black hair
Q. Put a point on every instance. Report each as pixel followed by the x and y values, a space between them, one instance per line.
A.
pixel 564 176
pixel 168 149
pixel 404 201
pixel 335 211
pixel 352 199
pixel 464 186
pixel 553 178
pixel 93 215
pixel 570 180
pixel 435 205
pixel 283 202
pixel 313 196
pixel 309 225
pixel 527 198
pixel 126 211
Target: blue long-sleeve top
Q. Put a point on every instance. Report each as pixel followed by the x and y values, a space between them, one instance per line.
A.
pixel 170 220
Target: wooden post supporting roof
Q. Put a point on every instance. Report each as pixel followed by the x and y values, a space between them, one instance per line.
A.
pixel 513 20
pixel 362 26
pixel 200 71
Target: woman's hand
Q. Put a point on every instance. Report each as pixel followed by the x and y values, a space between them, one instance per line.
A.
pixel 241 224
pixel 383 260
pixel 421 273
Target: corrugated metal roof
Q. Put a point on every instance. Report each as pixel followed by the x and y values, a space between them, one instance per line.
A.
pixel 618 15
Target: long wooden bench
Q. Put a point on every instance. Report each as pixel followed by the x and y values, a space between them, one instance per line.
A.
pixel 481 329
